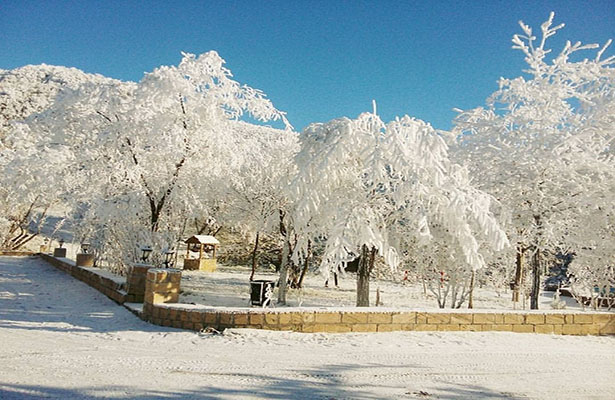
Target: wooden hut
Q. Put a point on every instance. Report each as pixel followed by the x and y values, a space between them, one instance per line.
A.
pixel 205 246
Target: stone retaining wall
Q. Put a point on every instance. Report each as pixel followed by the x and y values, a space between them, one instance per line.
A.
pixel 94 277
pixel 162 288
pixel 311 320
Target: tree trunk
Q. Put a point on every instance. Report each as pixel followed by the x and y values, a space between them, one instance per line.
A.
pixel 365 266
pixel 471 298
pixel 536 266
pixel 536 280
pixel 283 280
pixel 254 257
pixel 519 272
pixel 306 264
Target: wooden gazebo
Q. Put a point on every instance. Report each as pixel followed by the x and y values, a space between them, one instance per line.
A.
pixel 205 245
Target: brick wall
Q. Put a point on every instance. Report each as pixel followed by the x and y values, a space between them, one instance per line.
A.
pixel 162 289
pixel 94 277
pixel 198 317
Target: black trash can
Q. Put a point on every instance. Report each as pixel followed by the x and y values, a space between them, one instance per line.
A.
pixel 261 292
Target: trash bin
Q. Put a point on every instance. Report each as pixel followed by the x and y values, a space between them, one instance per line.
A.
pixel 261 292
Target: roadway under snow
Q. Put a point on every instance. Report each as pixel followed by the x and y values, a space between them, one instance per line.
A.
pixel 60 338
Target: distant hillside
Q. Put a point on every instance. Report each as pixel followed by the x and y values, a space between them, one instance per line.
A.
pixel 32 88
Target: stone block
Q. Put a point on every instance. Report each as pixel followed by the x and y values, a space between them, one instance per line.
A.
pixel 514 319
pixel 287 327
pixel 590 329
pixel 499 318
pixel 608 329
pixel 535 319
pixel 487 327
pixel 389 327
pixel 85 260
pixel 484 319
pixel 523 328
pixel 421 318
pixel 502 327
pixel 408 327
pixel 284 318
pixel 604 318
pixel 257 319
pixel 328 318
pixel 379 318
pixel 469 327
pixel 404 318
pixel 558 329
pixel 272 319
pixel 448 327
pixel 318 327
pixel 155 298
pixel 583 319
pixel 354 318
pixel 439 318
pixel 572 329
pixel 308 318
pixel 338 328
pixel 226 319
pixel 554 319
pixel 296 318
pixel 425 327
pixel 184 316
pixel 164 287
pixel 196 316
pixel 547 328
pixel 241 319
pixel 461 318
pixel 211 318
pixel 364 327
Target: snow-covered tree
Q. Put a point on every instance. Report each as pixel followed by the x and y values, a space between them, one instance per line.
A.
pixel 31 177
pixel 147 152
pixel 253 195
pixel 366 187
pixel 543 145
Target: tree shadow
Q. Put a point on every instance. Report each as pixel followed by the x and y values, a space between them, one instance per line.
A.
pixel 36 296
pixel 328 382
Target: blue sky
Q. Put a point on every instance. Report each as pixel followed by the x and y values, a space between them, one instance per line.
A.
pixel 316 60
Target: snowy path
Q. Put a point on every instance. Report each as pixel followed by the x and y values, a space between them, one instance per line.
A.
pixel 59 338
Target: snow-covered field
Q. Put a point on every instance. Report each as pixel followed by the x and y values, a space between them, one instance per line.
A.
pixel 60 338
pixel 229 286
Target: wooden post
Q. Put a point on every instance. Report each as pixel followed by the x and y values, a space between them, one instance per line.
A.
pixel 201 251
pixel 188 252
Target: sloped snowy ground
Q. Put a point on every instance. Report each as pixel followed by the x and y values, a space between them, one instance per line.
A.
pixel 59 338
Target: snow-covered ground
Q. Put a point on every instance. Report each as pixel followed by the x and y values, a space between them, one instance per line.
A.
pixel 60 338
pixel 229 287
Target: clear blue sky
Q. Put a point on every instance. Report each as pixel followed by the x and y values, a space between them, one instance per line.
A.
pixel 316 60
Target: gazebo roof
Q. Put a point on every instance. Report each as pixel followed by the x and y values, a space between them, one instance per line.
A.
pixel 202 239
